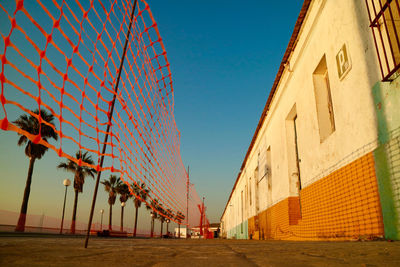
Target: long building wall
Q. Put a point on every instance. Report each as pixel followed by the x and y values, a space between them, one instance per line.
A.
pixel 297 181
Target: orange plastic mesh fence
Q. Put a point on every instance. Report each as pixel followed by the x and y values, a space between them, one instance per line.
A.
pixel 63 57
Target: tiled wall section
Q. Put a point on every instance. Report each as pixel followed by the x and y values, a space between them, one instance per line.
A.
pixel 393 154
pixel 343 205
pixel 294 210
pixel 387 163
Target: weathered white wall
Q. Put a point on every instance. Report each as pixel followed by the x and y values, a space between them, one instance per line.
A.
pixel 329 24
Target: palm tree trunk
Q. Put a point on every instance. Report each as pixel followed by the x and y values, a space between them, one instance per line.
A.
pixel 110 219
pixel 136 214
pixel 122 218
pixel 152 227
pixel 161 229
pixel 74 212
pixel 24 207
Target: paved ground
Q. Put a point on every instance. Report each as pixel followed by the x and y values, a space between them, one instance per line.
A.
pixel 69 251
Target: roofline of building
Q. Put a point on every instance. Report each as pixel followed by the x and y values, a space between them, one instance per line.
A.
pixel 290 48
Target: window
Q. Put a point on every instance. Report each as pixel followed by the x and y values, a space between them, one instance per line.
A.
pixel 246 198
pixel 384 16
pixel 268 172
pixel 250 190
pixel 241 203
pixel 256 189
pixel 268 165
pixel 323 99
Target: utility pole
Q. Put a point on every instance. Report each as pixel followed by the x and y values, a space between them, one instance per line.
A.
pixel 109 124
pixel 187 203
pixel 66 183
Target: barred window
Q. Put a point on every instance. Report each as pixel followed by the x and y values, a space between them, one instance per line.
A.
pixel 384 16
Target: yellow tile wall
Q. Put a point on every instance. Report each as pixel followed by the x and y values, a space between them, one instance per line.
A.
pixel 344 205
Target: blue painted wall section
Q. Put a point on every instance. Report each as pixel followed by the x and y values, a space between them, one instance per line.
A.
pixel 239 231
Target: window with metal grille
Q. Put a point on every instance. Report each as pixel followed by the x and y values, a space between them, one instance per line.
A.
pixel 384 16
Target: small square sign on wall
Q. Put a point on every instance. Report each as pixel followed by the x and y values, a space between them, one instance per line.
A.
pixel 343 62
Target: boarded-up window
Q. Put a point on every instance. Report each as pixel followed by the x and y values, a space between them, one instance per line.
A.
pixel 250 190
pixel 323 100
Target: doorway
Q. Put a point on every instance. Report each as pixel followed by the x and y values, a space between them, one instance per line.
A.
pixel 294 165
pixel 296 143
pixel 293 155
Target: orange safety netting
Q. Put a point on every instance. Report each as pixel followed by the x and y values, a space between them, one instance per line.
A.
pixel 63 56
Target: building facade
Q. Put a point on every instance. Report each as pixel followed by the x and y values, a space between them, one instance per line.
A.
pixel 324 161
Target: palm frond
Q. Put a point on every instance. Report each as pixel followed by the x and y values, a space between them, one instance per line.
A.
pixel 69 166
pixel 22 140
pixel 30 124
pixel 81 172
pixel 111 186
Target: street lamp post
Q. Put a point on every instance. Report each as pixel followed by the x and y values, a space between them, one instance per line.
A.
pixel 122 216
pixel 167 227
pixel 101 221
pixel 66 183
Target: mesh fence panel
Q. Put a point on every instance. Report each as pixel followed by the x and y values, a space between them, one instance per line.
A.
pixel 63 57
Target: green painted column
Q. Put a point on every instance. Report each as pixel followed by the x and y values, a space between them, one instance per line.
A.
pixel 389 212
pixel 387 104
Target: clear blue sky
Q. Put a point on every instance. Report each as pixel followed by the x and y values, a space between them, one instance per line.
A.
pixel 224 56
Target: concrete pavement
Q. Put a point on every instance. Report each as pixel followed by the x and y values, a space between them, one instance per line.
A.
pixel 68 251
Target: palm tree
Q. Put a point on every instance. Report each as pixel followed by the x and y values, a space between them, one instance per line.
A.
pixel 141 194
pixel 111 186
pixel 125 194
pixel 80 173
pixel 153 207
pixel 33 150
pixel 161 217
pixel 179 218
